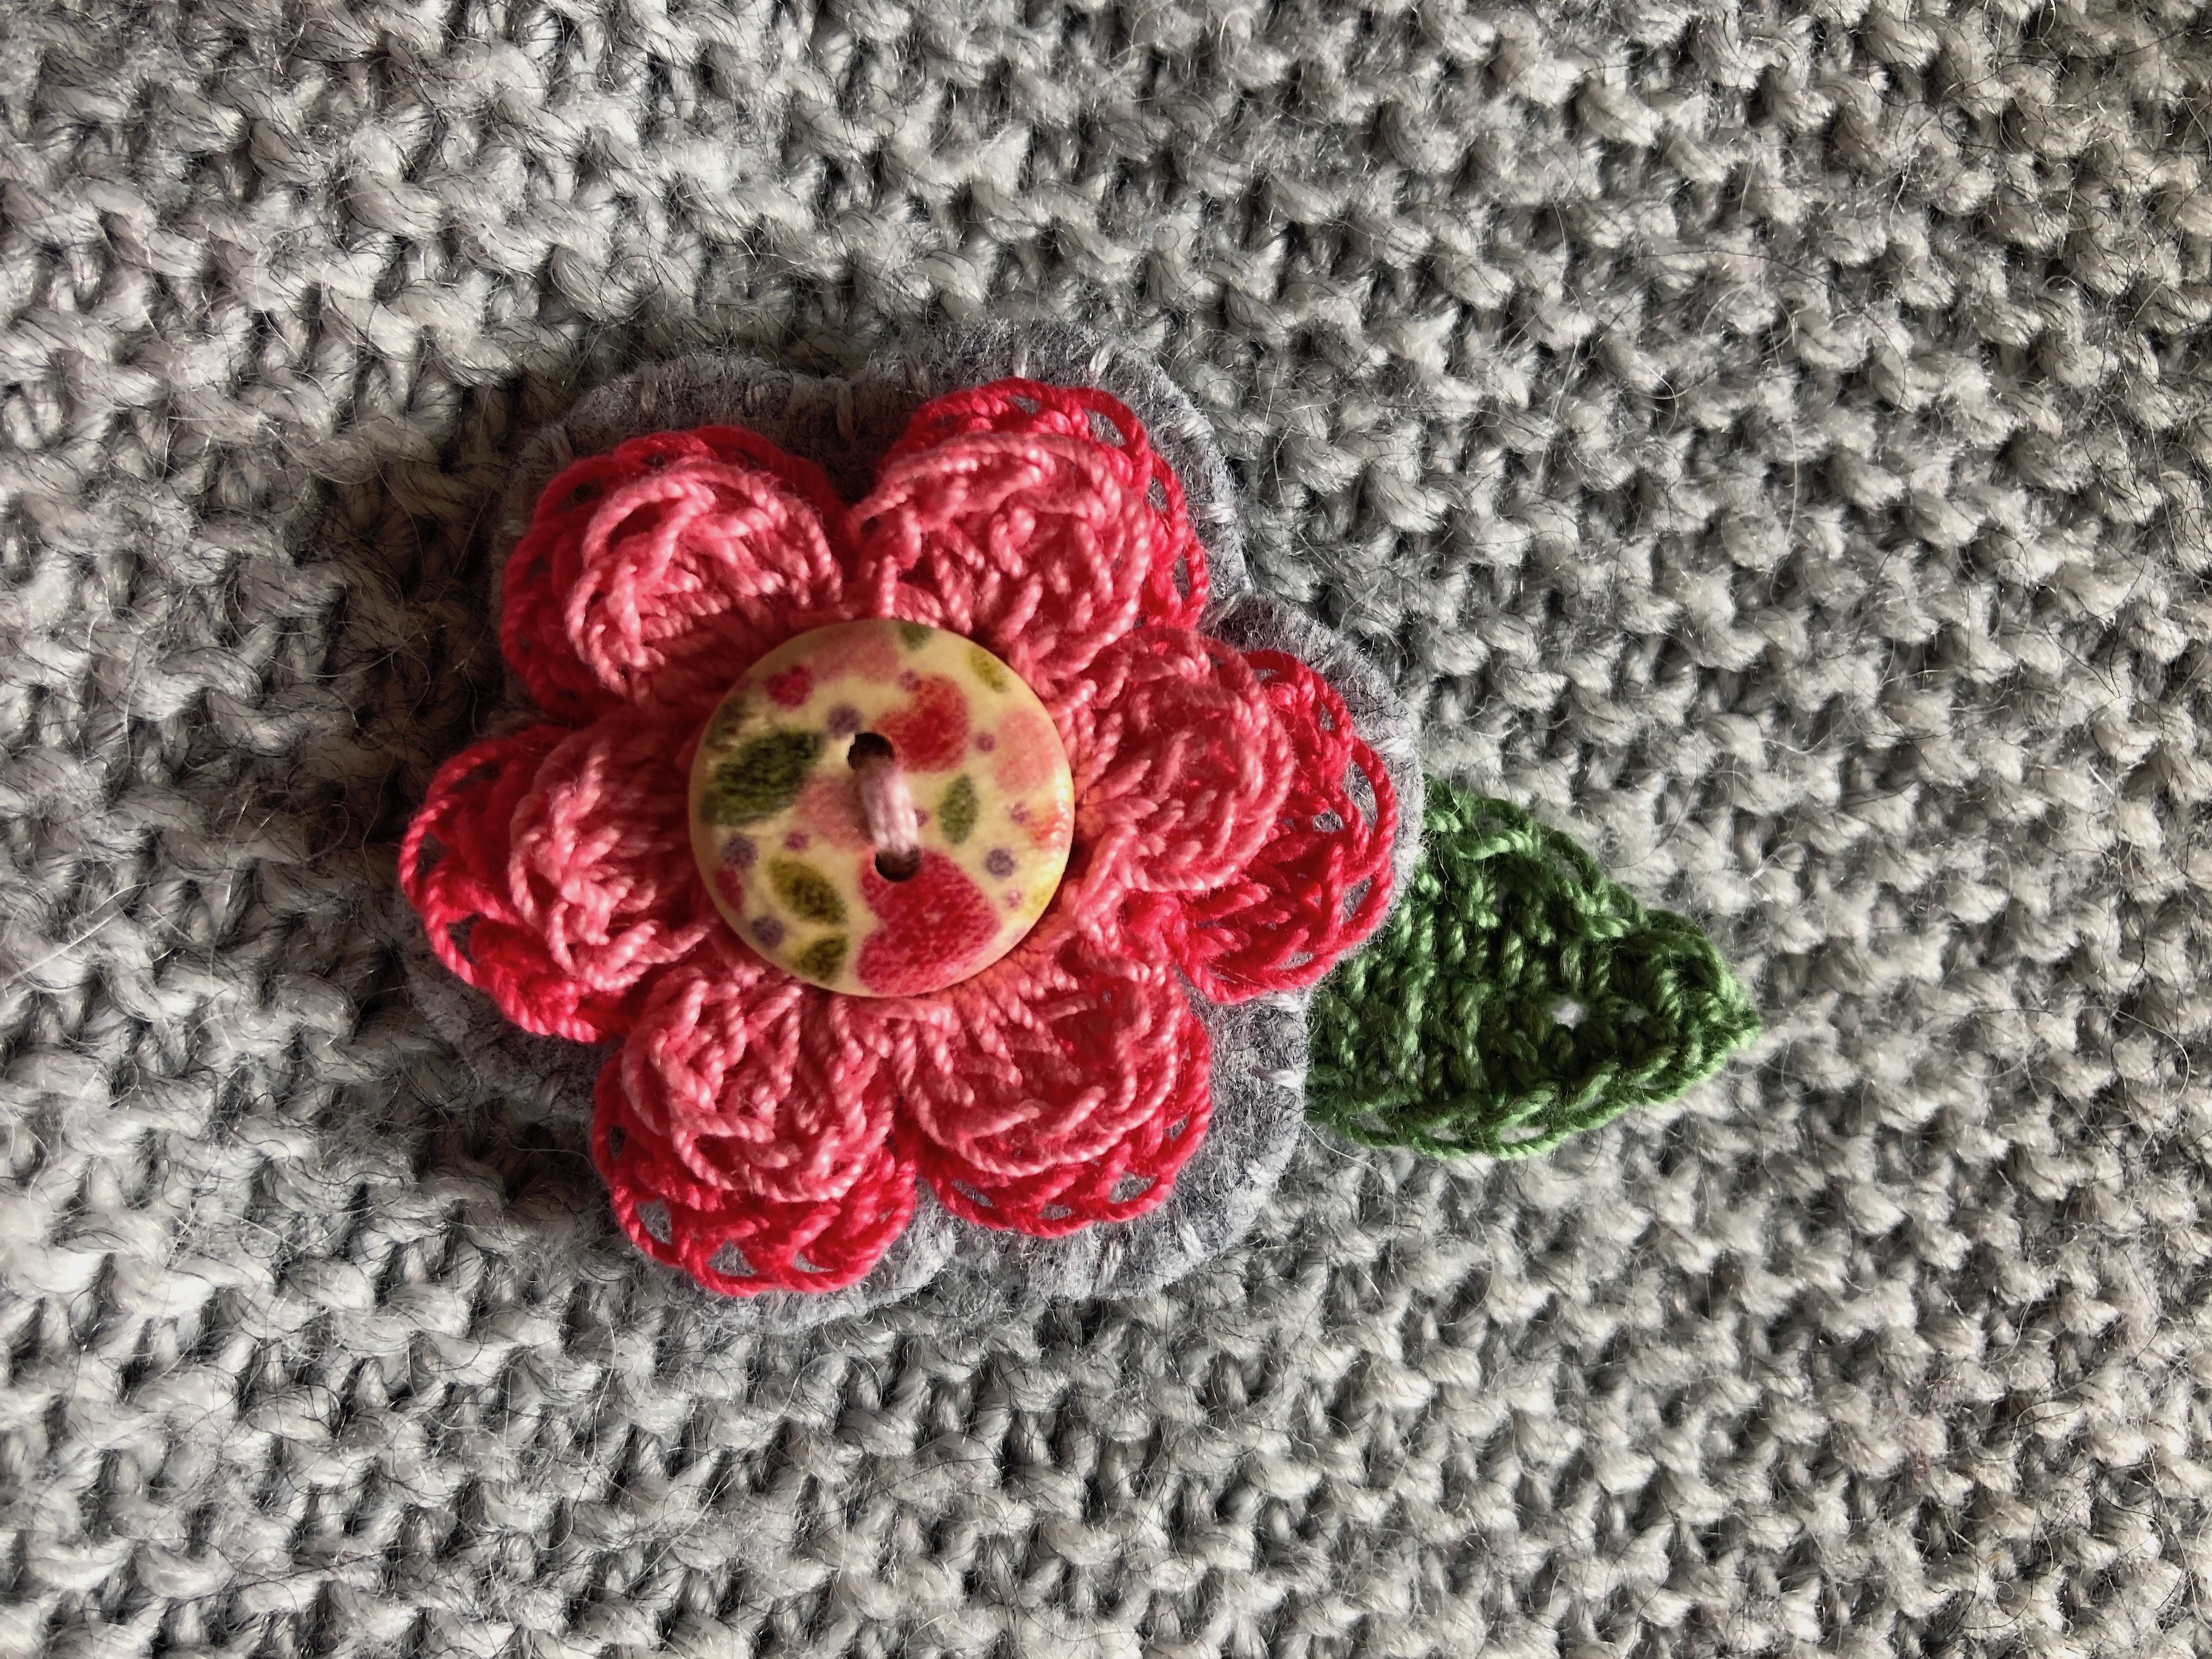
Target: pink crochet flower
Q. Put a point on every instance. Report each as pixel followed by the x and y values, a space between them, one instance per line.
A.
pixel 1232 831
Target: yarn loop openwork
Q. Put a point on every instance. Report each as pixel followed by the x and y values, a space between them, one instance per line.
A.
pixel 1226 832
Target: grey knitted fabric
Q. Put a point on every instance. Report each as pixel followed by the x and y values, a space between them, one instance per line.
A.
pixel 1769 442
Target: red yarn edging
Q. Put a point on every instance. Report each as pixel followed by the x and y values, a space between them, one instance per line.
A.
pixel 1078 1105
pixel 739 1244
pixel 1320 884
pixel 453 870
pixel 1176 586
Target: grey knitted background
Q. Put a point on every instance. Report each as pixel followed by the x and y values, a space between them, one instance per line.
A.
pixel 1772 443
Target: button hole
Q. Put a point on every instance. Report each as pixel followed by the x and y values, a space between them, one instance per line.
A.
pixel 887 805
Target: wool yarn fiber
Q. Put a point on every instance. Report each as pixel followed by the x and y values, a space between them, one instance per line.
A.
pixel 1767 442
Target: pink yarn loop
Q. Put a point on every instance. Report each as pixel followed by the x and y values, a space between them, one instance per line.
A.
pixel 595 854
pixel 521 869
pixel 1174 586
pixel 887 808
pixel 546 564
pixel 1090 1069
pixel 1320 884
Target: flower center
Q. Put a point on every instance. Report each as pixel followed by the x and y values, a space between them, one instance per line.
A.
pixel 881 808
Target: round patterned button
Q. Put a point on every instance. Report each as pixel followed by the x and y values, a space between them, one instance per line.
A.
pixel 882 808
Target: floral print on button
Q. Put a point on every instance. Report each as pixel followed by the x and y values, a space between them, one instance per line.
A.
pixel 781 834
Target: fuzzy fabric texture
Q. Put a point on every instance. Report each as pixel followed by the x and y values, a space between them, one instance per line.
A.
pixel 1768 442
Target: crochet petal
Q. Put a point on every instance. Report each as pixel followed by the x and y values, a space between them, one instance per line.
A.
pixel 599 858
pixel 1180 764
pixel 548 893
pixel 656 574
pixel 1038 545
pixel 1076 1102
pixel 1174 590
pixel 755 1085
pixel 1321 883
pixel 737 1243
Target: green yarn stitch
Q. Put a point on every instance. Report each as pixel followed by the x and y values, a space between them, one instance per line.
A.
pixel 1446 1034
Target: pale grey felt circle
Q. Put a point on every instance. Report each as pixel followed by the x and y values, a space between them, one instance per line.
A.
pixel 1258 1077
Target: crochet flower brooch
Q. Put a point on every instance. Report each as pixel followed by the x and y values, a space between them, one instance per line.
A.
pixel 922 851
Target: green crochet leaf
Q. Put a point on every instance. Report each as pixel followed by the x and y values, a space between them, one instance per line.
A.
pixel 1516 996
